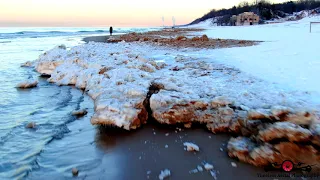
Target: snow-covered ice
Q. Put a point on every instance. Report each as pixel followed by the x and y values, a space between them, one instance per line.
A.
pixel 214 174
pixel 193 171
pixel 200 169
pixel 191 146
pixel 30 83
pixel 208 166
pixel 164 174
pixel 80 112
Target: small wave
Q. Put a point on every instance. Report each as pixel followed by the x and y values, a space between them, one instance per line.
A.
pixel 88 31
pixel 36 112
pixel 38 33
pixel 57 32
pixel 3 42
pixel 60 131
pixel 83 31
pixel 5 137
pixel 100 31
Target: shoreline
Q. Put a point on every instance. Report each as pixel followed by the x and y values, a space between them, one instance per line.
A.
pixel 102 39
pixel 99 118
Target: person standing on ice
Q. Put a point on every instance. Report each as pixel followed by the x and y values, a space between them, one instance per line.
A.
pixel 110 30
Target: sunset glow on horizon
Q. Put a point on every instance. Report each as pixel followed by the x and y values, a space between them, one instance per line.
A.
pixel 95 13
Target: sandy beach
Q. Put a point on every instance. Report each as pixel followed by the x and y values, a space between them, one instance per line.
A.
pixel 102 39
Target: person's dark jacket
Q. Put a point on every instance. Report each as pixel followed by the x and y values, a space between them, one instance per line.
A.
pixel 110 30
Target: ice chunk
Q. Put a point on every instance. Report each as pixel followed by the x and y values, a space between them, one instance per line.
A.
pixel 191 146
pixel 193 171
pixel 27 64
pixel 233 164
pixel 290 131
pixel 28 84
pixel 208 166
pixel 164 174
pixel 80 112
pixel 200 168
pixel 214 174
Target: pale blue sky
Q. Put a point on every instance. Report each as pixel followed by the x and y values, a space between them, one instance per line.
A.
pixel 105 12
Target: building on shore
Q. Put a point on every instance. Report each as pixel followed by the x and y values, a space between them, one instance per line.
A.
pixel 243 19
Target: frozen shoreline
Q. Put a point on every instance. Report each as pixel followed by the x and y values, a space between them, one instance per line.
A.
pixel 131 69
pixel 131 81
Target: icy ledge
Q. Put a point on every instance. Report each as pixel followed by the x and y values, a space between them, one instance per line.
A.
pixel 128 87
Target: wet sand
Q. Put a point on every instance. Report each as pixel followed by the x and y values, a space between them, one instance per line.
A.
pixel 145 150
pixel 116 154
pixel 103 39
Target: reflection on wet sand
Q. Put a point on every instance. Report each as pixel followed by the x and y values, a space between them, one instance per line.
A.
pixel 152 148
pixel 106 137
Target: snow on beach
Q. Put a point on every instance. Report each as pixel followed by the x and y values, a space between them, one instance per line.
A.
pixel 289 56
pixel 128 81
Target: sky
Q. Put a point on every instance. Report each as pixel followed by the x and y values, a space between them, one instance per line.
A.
pixel 96 13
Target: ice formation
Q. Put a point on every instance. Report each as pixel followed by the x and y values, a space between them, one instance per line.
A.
pixel 28 84
pixel 191 146
pixel 164 174
pixel 80 112
pixel 208 166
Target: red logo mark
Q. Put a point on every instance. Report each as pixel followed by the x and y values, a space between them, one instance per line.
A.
pixel 287 166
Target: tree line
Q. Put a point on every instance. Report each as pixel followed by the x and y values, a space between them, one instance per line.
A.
pixel 264 8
